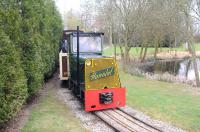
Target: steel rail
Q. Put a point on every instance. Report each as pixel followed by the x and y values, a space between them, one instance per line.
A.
pixel 121 123
pixel 145 123
pixel 111 126
pixel 134 121
pixel 135 124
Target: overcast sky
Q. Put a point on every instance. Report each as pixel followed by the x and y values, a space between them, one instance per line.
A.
pixel 66 5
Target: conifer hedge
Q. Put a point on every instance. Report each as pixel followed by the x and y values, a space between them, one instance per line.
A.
pixel 13 87
pixel 29 46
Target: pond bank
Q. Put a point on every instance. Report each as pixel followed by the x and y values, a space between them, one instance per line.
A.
pixel 176 54
pixel 179 70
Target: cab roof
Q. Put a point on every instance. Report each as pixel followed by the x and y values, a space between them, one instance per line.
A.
pixel 81 33
pixel 87 34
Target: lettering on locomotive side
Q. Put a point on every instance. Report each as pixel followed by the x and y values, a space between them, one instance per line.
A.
pixel 102 73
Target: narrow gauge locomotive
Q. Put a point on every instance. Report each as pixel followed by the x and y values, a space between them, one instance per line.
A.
pixel 91 76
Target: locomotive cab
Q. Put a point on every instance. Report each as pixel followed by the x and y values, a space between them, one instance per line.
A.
pixel 93 77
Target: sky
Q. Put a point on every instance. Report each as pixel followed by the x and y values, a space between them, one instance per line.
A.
pixel 66 5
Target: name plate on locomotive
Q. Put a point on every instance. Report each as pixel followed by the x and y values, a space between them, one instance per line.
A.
pixel 102 73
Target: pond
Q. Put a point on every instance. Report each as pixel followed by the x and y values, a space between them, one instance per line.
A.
pixel 181 68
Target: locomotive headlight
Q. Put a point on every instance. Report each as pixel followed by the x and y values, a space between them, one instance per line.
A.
pixel 88 63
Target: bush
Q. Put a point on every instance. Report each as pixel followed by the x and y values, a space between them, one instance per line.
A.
pixel 32 64
pixel 13 88
pixel 29 41
pixel 41 28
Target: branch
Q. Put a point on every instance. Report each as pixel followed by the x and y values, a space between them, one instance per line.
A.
pixel 195 11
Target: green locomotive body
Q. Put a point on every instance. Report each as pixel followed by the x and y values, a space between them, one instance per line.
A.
pixel 92 77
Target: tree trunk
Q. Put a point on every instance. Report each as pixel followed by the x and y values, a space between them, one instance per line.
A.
pixel 122 52
pixel 125 51
pixel 187 68
pixel 192 50
pixel 110 35
pixel 196 71
pixel 122 58
pixel 127 57
pixel 145 53
pixel 141 51
pixel 156 49
pixel 175 46
pixel 115 54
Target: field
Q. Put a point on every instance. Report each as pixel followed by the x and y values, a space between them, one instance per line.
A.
pixel 164 101
pixel 109 50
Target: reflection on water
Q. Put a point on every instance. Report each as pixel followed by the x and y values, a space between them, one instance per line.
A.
pixel 181 68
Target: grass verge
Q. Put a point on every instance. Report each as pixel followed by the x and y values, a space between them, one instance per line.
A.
pixel 164 101
pixel 51 115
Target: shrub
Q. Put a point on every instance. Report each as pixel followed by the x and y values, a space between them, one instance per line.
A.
pixel 13 88
pixel 29 41
pixel 41 25
pixel 32 64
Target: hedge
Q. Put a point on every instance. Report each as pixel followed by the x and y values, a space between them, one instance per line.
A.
pixel 13 87
pixel 29 47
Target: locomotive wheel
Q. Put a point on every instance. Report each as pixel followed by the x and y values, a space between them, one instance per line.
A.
pixel 64 84
pixel 69 84
pixel 73 87
pixel 82 96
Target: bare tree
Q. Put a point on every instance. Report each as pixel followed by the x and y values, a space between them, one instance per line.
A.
pixel 187 8
pixel 148 23
pixel 72 19
pixel 88 14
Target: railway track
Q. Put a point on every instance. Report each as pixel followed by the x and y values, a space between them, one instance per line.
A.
pixel 121 121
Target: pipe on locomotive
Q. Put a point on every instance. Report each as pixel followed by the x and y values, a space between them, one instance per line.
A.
pixel 77 59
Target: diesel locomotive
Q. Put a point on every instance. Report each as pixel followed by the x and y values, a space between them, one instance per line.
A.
pixel 92 77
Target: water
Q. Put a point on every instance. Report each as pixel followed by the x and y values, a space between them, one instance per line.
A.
pixel 181 68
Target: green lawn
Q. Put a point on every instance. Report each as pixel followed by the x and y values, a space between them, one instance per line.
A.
pixel 109 50
pixel 51 115
pixel 164 101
